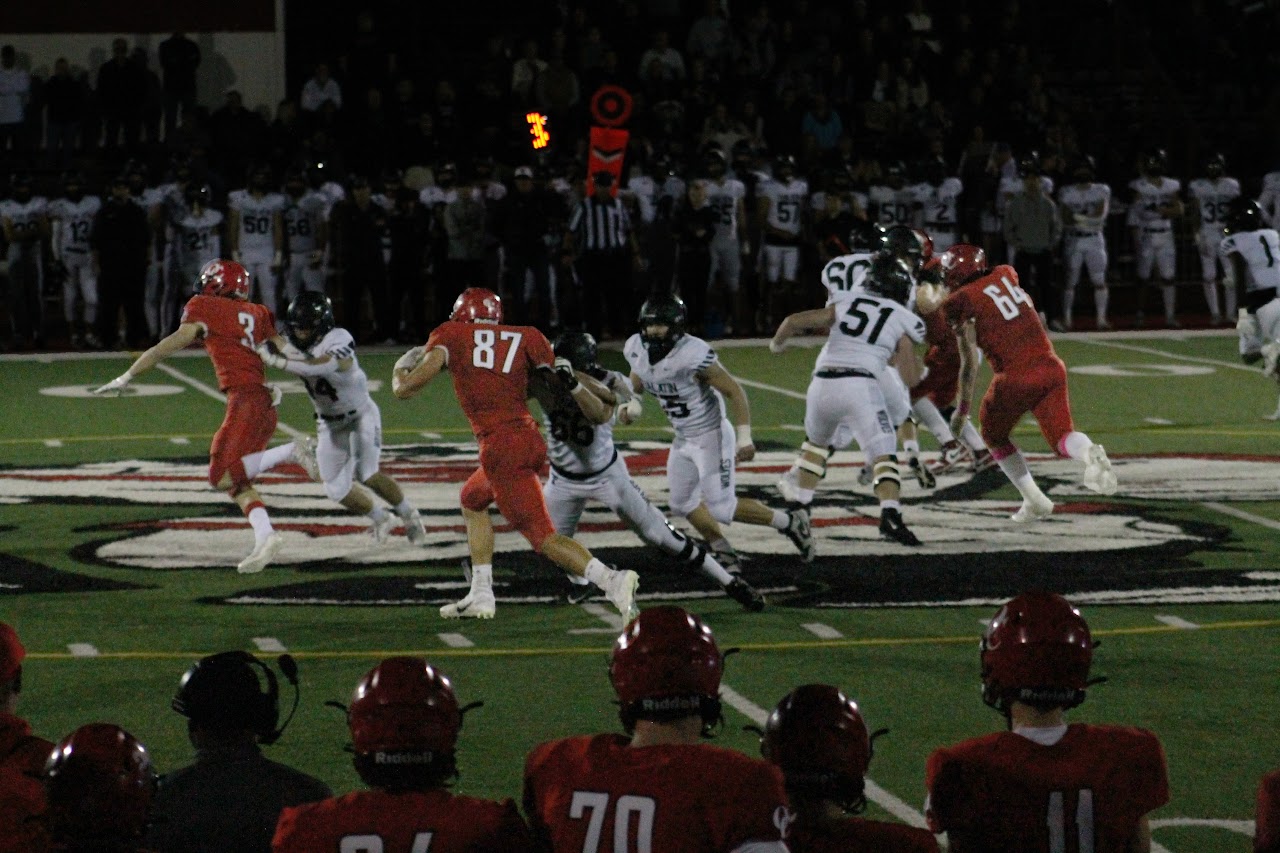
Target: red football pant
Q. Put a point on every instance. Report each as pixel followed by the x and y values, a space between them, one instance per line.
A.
pixel 1040 389
pixel 247 427
pixel 510 462
pixel 941 384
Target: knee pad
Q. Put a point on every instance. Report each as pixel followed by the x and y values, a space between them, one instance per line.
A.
pixel 886 470
pixel 818 469
pixel 476 497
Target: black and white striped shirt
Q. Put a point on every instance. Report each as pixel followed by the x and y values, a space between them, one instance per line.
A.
pixel 600 226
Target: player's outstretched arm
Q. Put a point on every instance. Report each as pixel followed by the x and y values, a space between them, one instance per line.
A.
pixel 967 339
pixel 272 354
pixel 817 319
pixel 739 407
pixel 182 337
pixel 407 379
pixel 587 393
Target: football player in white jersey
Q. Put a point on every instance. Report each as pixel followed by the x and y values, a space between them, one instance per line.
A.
pixel 727 196
pixel 866 327
pixel 25 225
pixel 1252 251
pixel 71 219
pixel 684 373
pixel 348 421
pixel 1085 204
pixel 1214 196
pixel 891 202
pixel 781 208
pixel 1155 197
pixel 306 232
pixel 255 230
pixel 579 410
pixel 1269 198
pixel 939 193
pixel 195 240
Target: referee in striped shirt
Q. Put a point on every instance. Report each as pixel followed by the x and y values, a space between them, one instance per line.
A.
pixel 601 240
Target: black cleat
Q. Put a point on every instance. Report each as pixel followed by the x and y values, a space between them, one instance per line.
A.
pixel 745 594
pixel 580 592
pixel 922 473
pixel 893 527
pixel 800 533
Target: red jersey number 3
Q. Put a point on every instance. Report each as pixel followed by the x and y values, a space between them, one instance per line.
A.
pixel 1007 300
pixel 246 322
pixel 488 342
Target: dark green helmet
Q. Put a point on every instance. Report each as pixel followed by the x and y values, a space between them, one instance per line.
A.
pixel 310 318
pixel 580 349
pixel 866 236
pixel 1245 215
pixel 902 242
pixel 890 277
pixel 663 310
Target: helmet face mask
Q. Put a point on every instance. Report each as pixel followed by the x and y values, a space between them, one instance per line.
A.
pixel 666 666
pixel 866 237
pixel 477 305
pixel 662 324
pixel 1037 650
pixel 224 278
pixel 817 737
pixel 310 317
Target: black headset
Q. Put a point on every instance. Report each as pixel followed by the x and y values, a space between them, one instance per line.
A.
pixel 225 690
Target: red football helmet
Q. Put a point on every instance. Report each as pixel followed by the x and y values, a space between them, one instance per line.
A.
pixel 99 783
pixel 962 263
pixel 477 305
pixel 818 738
pixel 224 278
pixel 666 665
pixel 404 704
pixel 1037 649
pixel 926 244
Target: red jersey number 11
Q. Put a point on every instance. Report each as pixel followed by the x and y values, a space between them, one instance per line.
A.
pixel 484 353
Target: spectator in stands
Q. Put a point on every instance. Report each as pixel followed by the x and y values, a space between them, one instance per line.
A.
pixel 661 61
pixel 319 90
pixel 64 105
pixel 237 135
pixel 357 226
pixel 522 222
pixel 122 90
pixel 556 91
pixel 231 796
pixel 1032 228
pixel 15 91
pixel 464 221
pixel 710 37
pixel 409 231
pixel 721 129
pixel 120 239
pixel 525 71
pixel 151 110
pixel 22 757
pixel 179 60
pixel 822 123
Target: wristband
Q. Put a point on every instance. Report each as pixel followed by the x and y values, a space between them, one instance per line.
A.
pixel 744 435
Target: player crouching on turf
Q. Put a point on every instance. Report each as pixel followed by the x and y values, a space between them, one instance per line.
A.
pixel 348 421
pixel 1044 785
pixel 658 787
pixel 404 721
pixel 845 401
pixel 1251 250
pixel 578 406
pixel 987 309
pixel 817 737
pixel 230 326
pixel 684 373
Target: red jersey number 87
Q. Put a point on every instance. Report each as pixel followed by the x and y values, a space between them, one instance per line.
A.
pixel 484 353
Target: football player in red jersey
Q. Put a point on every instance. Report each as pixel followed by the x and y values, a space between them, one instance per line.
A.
pixel 1045 785
pixel 404 721
pixel 22 757
pixel 818 738
pixel 99 782
pixel 230 327
pixel 657 787
pixel 987 309
pixel 1266 837
pixel 491 363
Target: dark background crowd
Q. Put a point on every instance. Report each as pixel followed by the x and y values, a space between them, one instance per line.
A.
pixel 392 95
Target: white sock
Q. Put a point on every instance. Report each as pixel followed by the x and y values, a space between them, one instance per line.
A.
pixel 257 463
pixel 404 509
pixel 1211 297
pixel 932 419
pixel 597 572
pixel 890 503
pixel 261 523
pixel 378 514
pixel 972 437
pixel 1077 445
pixel 1100 296
pixel 780 520
pixel 1015 468
pixel 576 580
pixel 712 569
pixel 481 576
pixel 806 496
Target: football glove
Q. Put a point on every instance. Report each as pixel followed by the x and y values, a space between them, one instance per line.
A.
pixel 629 412
pixel 564 369
pixel 114 387
pixel 269 358
pixel 410 359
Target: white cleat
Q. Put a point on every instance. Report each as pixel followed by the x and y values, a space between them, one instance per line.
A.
pixel 1270 355
pixel 414 530
pixel 304 453
pixel 1033 510
pixel 380 530
pixel 479 604
pixel 1097 472
pixel 789 486
pixel 263 553
pixel 620 589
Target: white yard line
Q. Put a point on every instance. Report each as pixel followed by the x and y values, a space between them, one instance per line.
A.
pixel 180 439
pixel 822 632
pixel 786 392
pixel 1216 362
pixel 1177 622
pixel 52 442
pixel 893 805
pixel 82 650
pixel 606 615
pixel 1242 514
pixel 455 641
pixel 269 644
pixel 210 391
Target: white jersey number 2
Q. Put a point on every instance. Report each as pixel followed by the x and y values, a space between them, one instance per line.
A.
pixel 484 355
